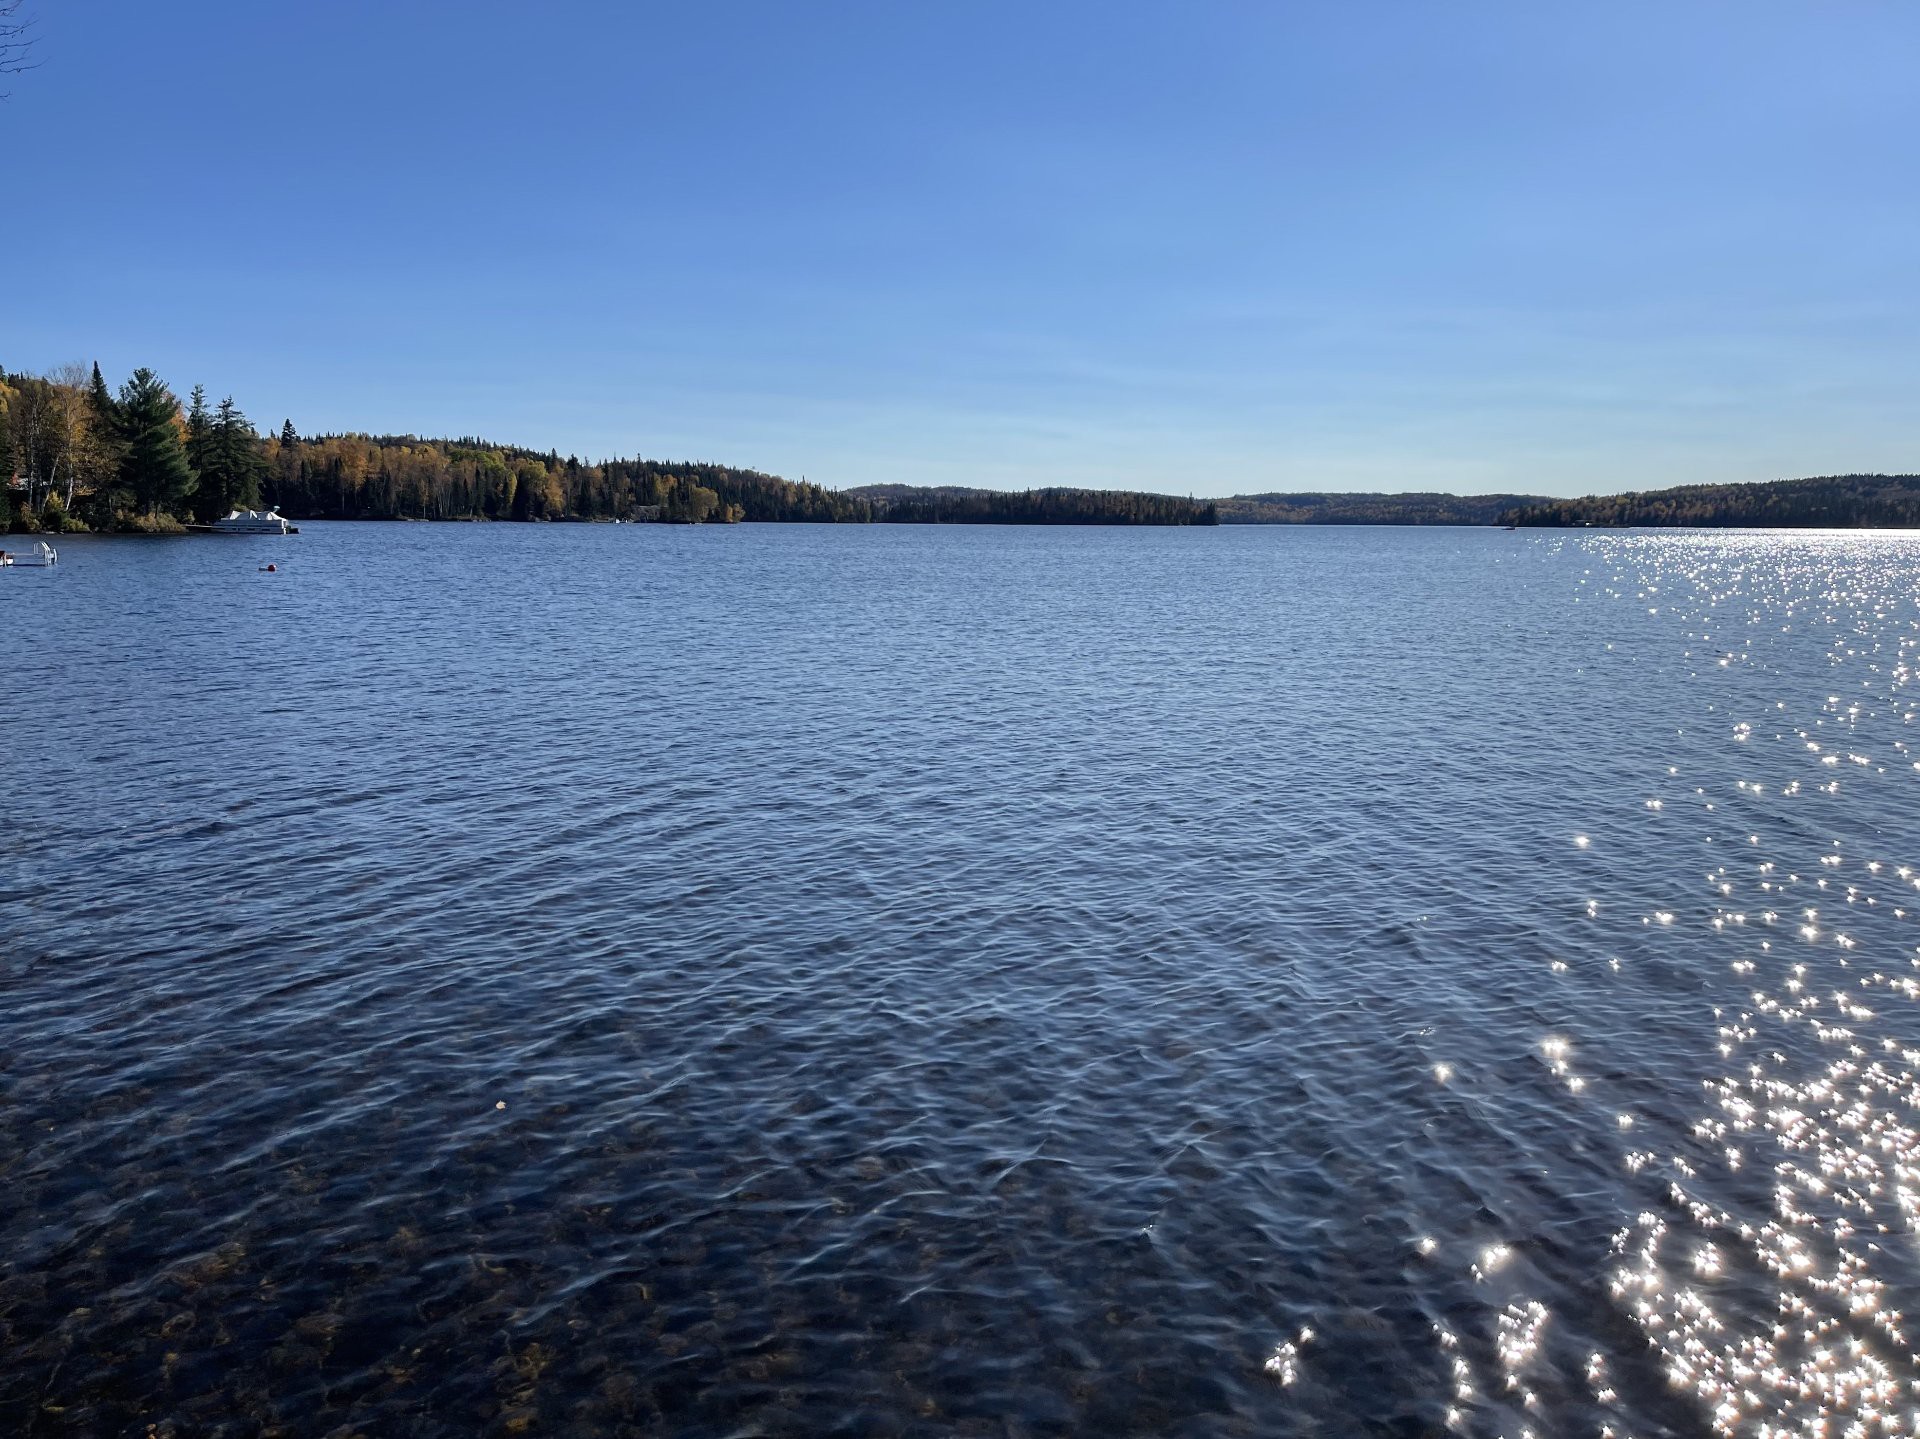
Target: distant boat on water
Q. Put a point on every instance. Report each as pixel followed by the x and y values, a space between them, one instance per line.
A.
pixel 250 522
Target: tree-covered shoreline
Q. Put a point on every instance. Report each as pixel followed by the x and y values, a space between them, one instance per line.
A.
pixel 78 455
pixel 81 456
pixel 1819 502
pixel 1408 508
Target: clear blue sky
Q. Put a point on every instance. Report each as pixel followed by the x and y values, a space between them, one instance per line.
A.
pixel 1372 244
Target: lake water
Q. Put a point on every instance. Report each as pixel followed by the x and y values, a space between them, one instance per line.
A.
pixel 784 980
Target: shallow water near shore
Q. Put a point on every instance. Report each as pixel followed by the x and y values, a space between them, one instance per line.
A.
pixel 782 979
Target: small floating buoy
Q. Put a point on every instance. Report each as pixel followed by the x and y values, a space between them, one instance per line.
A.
pixel 269 569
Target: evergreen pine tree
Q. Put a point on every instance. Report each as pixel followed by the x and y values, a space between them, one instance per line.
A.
pixel 154 467
pixel 233 467
pixel 199 429
pixel 102 453
pixel 287 435
pixel 104 408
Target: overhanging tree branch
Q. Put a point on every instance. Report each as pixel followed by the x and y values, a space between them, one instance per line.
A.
pixel 16 40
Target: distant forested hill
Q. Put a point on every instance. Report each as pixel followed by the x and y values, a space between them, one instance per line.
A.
pixel 1836 501
pixel 1370 509
pixel 954 505
pixel 911 492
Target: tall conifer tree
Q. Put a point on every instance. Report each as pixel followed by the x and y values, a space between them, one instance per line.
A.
pixel 233 467
pixel 101 455
pixel 154 466
pixel 103 405
pixel 199 429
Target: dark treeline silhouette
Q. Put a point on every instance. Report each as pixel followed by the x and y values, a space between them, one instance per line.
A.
pixel 952 505
pixel 1827 501
pixel 1370 509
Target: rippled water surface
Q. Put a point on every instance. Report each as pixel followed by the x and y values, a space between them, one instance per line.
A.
pixel 784 980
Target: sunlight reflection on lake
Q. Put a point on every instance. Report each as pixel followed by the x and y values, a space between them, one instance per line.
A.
pixel 779 979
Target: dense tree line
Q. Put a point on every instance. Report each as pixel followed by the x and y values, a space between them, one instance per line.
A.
pixel 385 477
pixel 78 455
pixel 1827 501
pixel 83 456
pixel 403 477
pixel 906 504
pixel 1370 509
